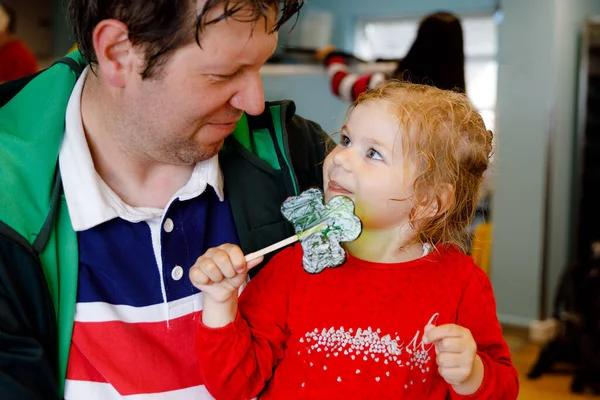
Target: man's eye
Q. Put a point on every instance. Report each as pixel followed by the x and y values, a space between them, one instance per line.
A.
pixel 374 154
pixel 225 77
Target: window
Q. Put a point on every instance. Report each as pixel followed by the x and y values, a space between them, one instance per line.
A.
pixel 392 38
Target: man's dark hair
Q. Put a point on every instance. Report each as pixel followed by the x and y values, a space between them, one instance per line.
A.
pixel 161 26
pixel 12 25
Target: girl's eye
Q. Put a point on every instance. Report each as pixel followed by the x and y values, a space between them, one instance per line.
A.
pixel 345 141
pixel 374 154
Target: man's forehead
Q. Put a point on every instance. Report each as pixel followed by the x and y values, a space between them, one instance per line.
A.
pixel 231 43
pixel 239 15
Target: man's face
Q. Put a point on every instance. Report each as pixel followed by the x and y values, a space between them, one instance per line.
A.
pixel 184 114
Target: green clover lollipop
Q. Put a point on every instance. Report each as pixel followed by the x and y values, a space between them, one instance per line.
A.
pixel 320 229
pixel 322 248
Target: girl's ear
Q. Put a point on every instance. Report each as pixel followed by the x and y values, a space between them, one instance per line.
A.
pixel 434 207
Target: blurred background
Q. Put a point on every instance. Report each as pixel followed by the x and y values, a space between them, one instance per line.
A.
pixel 532 68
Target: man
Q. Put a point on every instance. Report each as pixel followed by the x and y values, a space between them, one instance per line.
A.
pixel 114 183
pixel 16 59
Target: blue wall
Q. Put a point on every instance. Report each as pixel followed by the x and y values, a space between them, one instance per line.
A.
pixel 523 122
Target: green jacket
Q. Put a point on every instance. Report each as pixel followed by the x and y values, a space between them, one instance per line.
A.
pixel 267 159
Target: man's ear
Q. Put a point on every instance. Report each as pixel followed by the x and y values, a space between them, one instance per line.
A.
pixel 116 57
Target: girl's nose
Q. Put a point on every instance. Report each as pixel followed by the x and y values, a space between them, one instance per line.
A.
pixel 343 158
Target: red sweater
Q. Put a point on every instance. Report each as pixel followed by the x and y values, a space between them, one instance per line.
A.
pixel 16 61
pixel 354 332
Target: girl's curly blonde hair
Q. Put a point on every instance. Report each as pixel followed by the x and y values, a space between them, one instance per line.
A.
pixel 446 138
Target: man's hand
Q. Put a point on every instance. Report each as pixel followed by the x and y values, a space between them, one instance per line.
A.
pixel 457 359
pixel 219 273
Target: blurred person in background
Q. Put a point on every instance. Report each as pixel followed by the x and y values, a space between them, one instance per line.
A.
pixel 16 59
pixel 436 58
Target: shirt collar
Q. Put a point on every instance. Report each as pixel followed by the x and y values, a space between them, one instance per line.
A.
pixel 89 199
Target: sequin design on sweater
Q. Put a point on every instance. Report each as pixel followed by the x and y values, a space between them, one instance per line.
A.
pixel 370 346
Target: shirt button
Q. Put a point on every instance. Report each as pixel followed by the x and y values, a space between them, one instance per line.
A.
pixel 177 273
pixel 168 225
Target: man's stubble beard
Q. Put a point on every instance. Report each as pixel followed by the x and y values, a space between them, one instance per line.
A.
pixel 187 152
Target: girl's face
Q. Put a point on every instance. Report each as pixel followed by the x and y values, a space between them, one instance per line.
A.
pixel 369 167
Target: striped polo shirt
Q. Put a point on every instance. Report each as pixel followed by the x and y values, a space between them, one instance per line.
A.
pixel 136 308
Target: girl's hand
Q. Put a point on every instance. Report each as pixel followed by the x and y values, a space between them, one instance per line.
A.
pixel 457 359
pixel 220 272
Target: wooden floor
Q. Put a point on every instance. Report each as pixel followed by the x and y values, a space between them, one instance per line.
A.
pixel 549 386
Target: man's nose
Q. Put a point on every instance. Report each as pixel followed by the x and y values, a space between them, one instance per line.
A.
pixel 250 98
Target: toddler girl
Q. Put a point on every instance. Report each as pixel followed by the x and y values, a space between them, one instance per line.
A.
pixel 408 315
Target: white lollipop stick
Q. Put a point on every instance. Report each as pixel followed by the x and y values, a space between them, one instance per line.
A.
pixel 285 242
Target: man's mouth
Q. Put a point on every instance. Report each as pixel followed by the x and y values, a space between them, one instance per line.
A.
pixel 224 123
pixel 226 119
